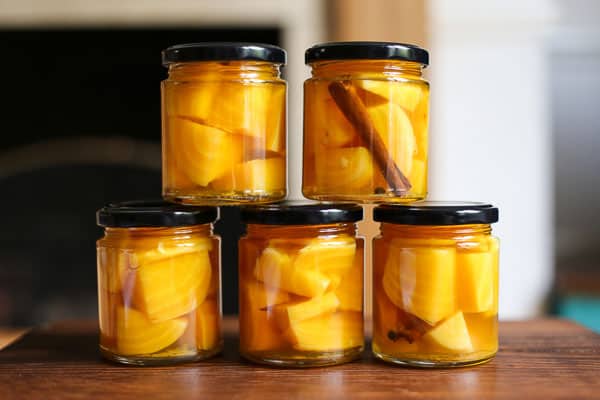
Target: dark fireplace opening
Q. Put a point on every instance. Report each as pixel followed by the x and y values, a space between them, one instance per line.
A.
pixel 81 121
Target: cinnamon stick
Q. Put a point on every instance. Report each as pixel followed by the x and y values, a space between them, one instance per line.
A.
pixel 410 327
pixel 350 104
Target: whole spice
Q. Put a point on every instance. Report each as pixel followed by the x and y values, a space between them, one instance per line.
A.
pixel 345 97
pixel 409 328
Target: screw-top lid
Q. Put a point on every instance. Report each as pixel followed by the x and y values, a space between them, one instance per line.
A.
pixel 437 213
pixel 366 51
pixel 302 212
pixel 223 51
pixel 153 213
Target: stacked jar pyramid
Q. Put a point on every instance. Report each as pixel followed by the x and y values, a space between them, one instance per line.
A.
pixel 301 264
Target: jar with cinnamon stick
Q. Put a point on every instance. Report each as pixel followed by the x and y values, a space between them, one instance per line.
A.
pixel 365 122
pixel 435 284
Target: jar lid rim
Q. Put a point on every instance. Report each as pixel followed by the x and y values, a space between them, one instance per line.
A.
pixel 331 51
pixel 437 213
pixel 302 212
pixel 153 213
pixel 223 51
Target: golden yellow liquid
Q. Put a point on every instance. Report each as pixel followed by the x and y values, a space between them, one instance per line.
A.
pixel 159 295
pixel 442 308
pixel 301 295
pixel 224 133
pixel 338 163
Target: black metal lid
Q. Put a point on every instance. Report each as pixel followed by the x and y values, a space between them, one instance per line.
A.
pixel 437 213
pixel 153 213
pixel 223 51
pixel 302 212
pixel 366 51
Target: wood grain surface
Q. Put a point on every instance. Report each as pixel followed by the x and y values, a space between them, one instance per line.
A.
pixel 540 359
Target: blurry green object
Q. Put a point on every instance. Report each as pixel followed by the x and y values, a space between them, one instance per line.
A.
pixel 583 309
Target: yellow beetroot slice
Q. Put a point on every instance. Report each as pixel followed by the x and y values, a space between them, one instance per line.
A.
pixel 451 335
pixel 208 325
pixel 421 281
pixel 174 286
pixel 136 335
pixel 329 332
pixel 290 314
pixel 276 269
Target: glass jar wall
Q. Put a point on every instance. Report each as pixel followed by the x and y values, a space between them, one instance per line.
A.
pixel 435 284
pixel 224 124
pixel 366 122
pixel 301 284
pixel 158 283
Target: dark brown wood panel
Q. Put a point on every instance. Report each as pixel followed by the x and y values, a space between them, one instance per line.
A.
pixel 541 359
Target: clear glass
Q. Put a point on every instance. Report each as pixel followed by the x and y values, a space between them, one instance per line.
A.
pixel 301 294
pixel 365 131
pixel 435 295
pixel 224 133
pixel 159 294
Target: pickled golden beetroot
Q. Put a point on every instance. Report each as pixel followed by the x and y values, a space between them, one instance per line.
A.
pixel 208 325
pixel 158 286
pixel 290 314
pixel 393 125
pixel 204 153
pixel 483 330
pixel 158 250
pixel 367 142
pixel 108 304
pixel 250 109
pixel 298 320
pixel 277 269
pixel 173 287
pixel 262 175
pixel 326 118
pixel 345 169
pixel 402 93
pixel 332 256
pixel 476 277
pixel 421 281
pixel 495 251
pixel 420 123
pixel 330 332
pixel 452 335
pixel 137 335
pixel 164 284
pixel 350 289
pixel 224 133
pixel 112 280
pixel 301 293
pixel 435 286
pixel 418 176
pixel 257 321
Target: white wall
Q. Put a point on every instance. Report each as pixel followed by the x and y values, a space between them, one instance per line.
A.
pixel 575 94
pixel 490 138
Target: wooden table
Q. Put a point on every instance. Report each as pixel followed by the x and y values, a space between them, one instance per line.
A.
pixel 541 359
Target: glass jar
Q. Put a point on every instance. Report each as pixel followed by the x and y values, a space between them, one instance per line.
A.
pixel 301 284
pixel 365 122
pixel 224 124
pixel 158 283
pixel 435 284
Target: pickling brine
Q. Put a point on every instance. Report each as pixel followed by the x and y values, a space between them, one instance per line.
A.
pixel 224 124
pixel 435 285
pixel 366 123
pixel 301 285
pixel 158 284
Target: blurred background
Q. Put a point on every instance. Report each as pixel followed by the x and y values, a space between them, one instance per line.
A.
pixel 515 121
